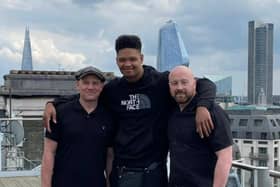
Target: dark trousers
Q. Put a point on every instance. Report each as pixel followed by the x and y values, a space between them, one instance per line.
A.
pixel 145 178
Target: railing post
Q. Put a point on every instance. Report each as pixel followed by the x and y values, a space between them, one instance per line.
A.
pixel 261 177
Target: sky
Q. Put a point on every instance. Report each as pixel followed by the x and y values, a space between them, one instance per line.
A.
pixel 71 34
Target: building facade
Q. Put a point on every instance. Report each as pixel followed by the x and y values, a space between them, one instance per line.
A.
pixel 260 61
pixel 223 84
pixel 256 131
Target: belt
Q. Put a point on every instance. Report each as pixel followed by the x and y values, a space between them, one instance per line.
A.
pixel 151 167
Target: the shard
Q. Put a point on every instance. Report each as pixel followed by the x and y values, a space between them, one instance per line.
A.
pixel 26 63
pixel 171 48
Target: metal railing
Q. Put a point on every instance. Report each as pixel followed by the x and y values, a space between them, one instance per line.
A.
pixel 261 176
pixel 13 152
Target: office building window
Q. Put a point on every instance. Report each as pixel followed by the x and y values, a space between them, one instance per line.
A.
pixel 258 122
pixel 276 152
pixel 262 163
pixel 234 134
pixel 273 136
pixel 262 150
pixel 243 122
pixel 248 135
pixel 247 142
pixel 263 135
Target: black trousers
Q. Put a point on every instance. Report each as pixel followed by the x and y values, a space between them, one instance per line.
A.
pixel 131 178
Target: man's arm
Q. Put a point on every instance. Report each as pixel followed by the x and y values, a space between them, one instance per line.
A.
pixel 48 162
pixel 206 93
pixel 223 166
pixel 50 112
pixel 109 165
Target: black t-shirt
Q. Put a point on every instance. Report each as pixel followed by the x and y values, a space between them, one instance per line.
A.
pixel 192 159
pixel 82 140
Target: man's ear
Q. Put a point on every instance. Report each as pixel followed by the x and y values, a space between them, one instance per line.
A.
pixel 194 84
pixel 142 58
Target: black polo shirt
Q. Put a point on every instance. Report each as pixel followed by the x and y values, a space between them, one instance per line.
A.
pixel 82 141
pixel 192 159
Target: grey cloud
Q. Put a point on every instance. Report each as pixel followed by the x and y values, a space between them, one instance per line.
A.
pixel 207 27
pixel 86 3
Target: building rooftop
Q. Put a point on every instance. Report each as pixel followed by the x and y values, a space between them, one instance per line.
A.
pixel 24 83
pixel 255 122
pixel 253 107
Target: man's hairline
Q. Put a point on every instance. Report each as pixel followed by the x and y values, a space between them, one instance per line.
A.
pixel 139 50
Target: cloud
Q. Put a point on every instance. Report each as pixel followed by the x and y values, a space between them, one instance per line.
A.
pixel 10 54
pixel 73 33
pixel 86 3
pixel 46 53
pixel 15 5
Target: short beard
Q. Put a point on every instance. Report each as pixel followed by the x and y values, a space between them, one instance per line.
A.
pixel 187 100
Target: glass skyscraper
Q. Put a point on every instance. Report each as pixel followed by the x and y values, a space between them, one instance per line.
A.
pixel 26 63
pixel 171 48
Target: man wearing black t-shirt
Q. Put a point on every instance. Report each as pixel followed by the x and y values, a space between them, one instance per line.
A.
pixel 75 150
pixel 140 104
pixel 194 161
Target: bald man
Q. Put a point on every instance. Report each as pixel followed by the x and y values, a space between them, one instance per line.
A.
pixel 194 161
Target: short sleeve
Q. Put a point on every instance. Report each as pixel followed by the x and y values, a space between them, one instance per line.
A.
pixel 55 131
pixel 221 136
pixel 206 92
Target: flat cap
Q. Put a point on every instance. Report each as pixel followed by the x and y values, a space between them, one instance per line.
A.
pixel 89 71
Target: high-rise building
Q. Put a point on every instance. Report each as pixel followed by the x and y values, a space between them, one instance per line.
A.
pixel 260 62
pixel 171 48
pixel 26 63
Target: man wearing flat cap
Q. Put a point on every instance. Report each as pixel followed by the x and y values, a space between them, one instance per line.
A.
pixel 75 150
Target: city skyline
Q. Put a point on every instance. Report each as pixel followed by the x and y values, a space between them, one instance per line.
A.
pixel 215 33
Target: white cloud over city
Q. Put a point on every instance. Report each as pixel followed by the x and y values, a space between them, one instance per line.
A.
pixel 69 34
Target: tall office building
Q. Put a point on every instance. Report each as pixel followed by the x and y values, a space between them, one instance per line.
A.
pixel 171 48
pixel 26 63
pixel 260 62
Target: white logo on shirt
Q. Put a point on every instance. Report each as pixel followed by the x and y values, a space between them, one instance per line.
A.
pixel 136 102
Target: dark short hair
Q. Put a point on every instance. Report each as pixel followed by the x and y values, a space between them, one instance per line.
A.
pixel 128 41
